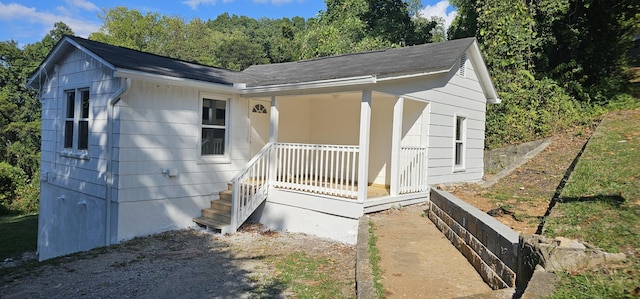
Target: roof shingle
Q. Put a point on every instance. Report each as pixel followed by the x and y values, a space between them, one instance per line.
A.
pixel 424 58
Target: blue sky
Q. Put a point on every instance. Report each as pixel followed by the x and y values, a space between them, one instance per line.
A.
pixel 27 21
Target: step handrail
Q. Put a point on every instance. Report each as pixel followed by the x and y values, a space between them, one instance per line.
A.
pixel 249 187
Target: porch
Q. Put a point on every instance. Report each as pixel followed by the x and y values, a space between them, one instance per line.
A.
pixel 341 154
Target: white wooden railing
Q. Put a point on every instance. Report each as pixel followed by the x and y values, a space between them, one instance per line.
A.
pixel 317 168
pixel 250 187
pixel 413 170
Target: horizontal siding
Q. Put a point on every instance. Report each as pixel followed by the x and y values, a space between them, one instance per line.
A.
pixel 158 128
pixel 76 70
pixel 450 95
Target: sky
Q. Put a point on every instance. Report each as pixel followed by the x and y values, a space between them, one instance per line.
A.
pixel 28 21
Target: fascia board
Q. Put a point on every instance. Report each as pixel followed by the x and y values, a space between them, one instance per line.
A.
pixel 133 74
pixel 480 66
pixel 352 81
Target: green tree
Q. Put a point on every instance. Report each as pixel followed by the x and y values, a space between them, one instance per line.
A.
pixel 131 29
pixel 20 124
pixel 389 20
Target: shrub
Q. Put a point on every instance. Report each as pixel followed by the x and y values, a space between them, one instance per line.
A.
pixel 17 193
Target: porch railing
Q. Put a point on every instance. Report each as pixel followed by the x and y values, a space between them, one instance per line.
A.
pixel 413 170
pixel 250 187
pixel 317 168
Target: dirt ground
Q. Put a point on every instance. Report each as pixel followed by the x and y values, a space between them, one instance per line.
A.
pixel 180 264
pixel 526 193
pixel 418 260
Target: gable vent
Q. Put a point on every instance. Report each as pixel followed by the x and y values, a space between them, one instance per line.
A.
pixel 463 68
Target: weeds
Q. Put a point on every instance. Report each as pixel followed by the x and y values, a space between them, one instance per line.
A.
pixel 374 258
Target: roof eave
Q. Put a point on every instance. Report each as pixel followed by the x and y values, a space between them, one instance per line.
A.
pixel 133 74
pixel 320 84
pixel 490 92
pixel 55 54
pixel 413 75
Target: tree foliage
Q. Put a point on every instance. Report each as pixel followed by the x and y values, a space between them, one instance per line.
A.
pixel 20 125
pixel 550 59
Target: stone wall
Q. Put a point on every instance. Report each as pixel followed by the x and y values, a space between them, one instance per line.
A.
pixel 498 159
pixel 490 246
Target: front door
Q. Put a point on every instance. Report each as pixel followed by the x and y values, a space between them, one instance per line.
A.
pixel 259 116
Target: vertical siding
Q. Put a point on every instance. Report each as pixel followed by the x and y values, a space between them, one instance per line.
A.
pixel 449 95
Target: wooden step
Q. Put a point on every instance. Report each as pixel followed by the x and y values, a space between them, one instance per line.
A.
pixel 218 215
pixel 221 204
pixel 226 195
pixel 210 223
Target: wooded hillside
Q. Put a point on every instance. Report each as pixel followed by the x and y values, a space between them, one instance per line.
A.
pixel 554 62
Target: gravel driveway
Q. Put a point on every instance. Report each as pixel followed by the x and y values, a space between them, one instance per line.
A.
pixel 179 264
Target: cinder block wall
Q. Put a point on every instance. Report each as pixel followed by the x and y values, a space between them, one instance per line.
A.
pixel 490 246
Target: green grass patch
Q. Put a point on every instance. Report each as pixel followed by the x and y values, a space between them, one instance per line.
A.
pixel 601 205
pixel 374 259
pixel 18 234
pixel 307 276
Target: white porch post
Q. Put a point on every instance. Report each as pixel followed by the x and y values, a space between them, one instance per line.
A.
pixel 365 128
pixel 274 115
pixel 396 140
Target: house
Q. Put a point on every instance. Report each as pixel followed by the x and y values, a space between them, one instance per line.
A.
pixel 134 143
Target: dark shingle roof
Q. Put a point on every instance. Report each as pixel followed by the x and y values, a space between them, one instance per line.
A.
pixel 154 64
pixel 384 63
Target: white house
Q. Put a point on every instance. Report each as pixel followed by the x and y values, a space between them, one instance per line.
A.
pixel 134 143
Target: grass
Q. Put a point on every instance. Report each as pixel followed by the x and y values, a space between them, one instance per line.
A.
pixel 304 275
pixel 601 205
pixel 374 258
pixel 18 234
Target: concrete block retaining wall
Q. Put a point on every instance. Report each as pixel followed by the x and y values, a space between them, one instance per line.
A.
pixel 490 246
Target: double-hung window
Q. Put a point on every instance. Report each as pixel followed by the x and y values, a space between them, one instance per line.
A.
pixel 460 139
pixel 76 123
pixel 214 135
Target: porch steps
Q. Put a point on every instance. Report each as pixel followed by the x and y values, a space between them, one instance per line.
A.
pixel 218 215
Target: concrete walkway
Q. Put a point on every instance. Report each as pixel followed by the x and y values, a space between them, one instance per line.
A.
pixel 418 261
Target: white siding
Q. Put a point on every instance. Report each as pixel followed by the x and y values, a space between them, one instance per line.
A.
pixel 158 128
pixel 72 208
pixel 448 95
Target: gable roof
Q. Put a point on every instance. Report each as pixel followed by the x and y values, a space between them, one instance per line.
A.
pixel 124 59
pixel 355 68
pixel 426 58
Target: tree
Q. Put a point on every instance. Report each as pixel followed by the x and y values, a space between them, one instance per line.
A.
pixel 130 29
pixel 20 124
pixel 389 20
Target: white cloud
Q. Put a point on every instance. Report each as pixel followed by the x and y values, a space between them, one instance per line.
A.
pixel 45 20
pixel 83 4
pixel 439 10
pixel 195 3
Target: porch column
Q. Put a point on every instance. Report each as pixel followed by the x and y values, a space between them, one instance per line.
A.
pixel 363 161
pixel 273 138
pixel 273 121
pixel 396 141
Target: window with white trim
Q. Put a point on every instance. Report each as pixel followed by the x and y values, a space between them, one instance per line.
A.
pixel 76 123
pixel 214 127
pixel 460 138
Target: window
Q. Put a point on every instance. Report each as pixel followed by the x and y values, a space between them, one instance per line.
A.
pixel 214 127
pixel 76 124
pixel 460 132
pixel 259 108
